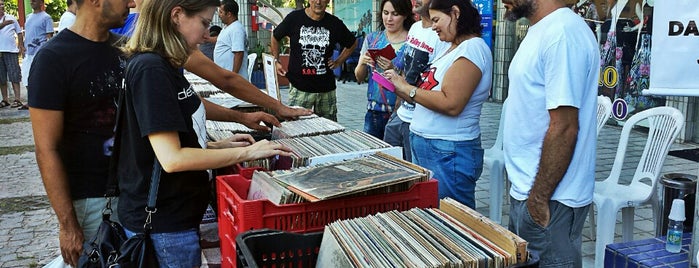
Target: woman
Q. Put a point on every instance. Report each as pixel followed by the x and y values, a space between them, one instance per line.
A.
pixel 165 119
pixel 397 18
pixel 445 134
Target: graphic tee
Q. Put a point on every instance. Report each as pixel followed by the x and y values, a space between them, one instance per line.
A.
pixel 423 45
pixel 312 44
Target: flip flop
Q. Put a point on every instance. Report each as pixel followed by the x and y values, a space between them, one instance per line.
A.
pixel 4 104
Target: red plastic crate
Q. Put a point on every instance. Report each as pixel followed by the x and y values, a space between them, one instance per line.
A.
pixel 237 214
pixel 246 172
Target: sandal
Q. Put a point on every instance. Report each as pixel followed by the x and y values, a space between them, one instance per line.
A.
pixel 24 107
pixel 4 104
pixel 16 104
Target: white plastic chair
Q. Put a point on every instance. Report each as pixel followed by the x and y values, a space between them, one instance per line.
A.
pixel 251 64
pixel 494 159
pixel 664 125
pixel 604 111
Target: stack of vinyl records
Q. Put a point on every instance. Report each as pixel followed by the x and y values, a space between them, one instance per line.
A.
pixel 310 125
pixel 218 130
pixel 452 236
pixel 374 174
pixel 305 148
pixel 206 90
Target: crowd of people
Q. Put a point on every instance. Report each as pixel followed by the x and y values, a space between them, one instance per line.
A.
pixel 441 75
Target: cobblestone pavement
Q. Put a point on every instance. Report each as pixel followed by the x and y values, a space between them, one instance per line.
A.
pixel 28 227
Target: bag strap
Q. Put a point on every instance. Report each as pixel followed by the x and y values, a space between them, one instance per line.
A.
pixel 152 194
pixel 112 182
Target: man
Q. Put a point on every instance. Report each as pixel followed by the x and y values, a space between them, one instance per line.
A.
pixel 231 51
pixel 313 33
pixel 423 45
pixel 37 30
pixel 68 17
pixel 550 130
pixel 210 43
pixel 75 82
pixel 9 57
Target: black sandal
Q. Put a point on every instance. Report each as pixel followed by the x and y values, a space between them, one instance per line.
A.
pixel 16 104
pixel 4 104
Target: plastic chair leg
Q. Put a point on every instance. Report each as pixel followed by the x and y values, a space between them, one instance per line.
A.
pixel 497 181
pixel 606 221
pixel 627 214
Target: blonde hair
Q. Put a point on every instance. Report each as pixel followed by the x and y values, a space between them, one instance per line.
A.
pixel 156 32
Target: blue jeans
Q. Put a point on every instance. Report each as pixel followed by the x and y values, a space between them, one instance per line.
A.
pixel 177 249
pixel 398 134
pixel 375 123
pixel 456 165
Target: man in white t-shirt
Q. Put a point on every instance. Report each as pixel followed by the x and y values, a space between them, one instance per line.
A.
pixel 423 45
pixel 68 17
pixel 9 57
pixel 231 51
pixel 550 130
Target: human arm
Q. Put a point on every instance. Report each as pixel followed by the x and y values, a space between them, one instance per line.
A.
pixel 237 86
pixel 175 158
pixel 365 62
pixel 251 120
pixel 47 127
pixel 556 155
pixel 458 85
pixel 20 43
pixel 238 61
pixel 346 52
pixel 274 46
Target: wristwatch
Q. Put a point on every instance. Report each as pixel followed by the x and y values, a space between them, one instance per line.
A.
pixel 412 93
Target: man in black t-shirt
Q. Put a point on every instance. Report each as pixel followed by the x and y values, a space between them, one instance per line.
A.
pixel 75 80
pixel 313 34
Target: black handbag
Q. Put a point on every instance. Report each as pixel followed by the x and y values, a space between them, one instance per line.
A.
pixel 103 249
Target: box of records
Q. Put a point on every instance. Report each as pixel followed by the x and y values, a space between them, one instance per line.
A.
pixel 339 199
pixel 451 236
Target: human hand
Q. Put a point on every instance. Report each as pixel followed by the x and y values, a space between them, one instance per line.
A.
pixel 398 81
pixel 237 140
pixel 539 210
pixel 265 149
pixel 332 64
pixel 289 113
pixel 71 243
pixel 384 63
pixel 252 120
pixel 366 60
pixel 280 68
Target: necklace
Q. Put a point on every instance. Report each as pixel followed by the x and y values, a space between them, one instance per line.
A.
pixel 445 52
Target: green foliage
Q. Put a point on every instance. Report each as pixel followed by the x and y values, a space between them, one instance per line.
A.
pixel 11 7
pixel 55 8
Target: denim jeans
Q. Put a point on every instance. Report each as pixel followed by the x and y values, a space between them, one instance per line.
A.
pixel 176 249
pixel 398 134
pixel 375 123
pixel 456 165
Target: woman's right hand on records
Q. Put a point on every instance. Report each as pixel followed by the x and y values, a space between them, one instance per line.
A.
pixel 265 149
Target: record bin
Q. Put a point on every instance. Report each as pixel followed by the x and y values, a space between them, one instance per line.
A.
pixel 236 214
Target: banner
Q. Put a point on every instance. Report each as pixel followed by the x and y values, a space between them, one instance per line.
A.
pixel 675 49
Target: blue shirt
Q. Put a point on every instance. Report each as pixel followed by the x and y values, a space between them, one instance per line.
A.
pixel 36 28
